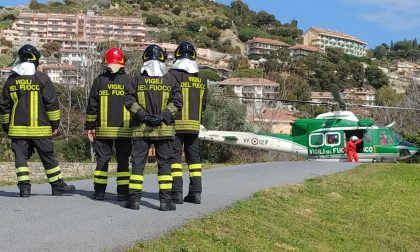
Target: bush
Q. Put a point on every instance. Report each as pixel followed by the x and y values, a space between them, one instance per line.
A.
pixel 153 21
pixel 193 26
pixel 211 74
pixel 177 10
pixel 75 149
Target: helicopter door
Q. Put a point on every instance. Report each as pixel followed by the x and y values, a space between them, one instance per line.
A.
pixel 316 144
pixel 360 134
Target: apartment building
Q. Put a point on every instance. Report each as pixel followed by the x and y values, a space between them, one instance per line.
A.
pixel 261 46
pixel 75 28
pixel 365 96
pixel 253 88
pixel 323 38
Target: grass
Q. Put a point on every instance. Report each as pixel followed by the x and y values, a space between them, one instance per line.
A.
pixel 372 208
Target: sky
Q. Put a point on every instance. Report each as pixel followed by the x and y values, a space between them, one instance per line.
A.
pixel 373 21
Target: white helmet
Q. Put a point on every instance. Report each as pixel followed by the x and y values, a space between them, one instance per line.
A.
pixel 354 138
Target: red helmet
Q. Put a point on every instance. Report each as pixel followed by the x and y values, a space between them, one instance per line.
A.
pixel 115 56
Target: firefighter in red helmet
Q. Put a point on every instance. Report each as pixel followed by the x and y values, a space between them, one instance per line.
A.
pixel 108 124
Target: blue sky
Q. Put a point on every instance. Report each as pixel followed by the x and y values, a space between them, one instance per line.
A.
pixel 374 21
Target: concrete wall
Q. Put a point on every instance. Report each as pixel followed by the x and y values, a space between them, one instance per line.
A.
pixel 37 172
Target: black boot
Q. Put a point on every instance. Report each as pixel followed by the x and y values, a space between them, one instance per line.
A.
pixel 177 198
pixel 193 197
pixel 167 205
pixel 60 187
pixel 122 197
pixel 25 192
pixel 99 196
pixel 133 201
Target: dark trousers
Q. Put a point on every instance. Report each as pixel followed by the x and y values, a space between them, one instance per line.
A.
pixel 192 155
pixel 103 149
pixel 23 150
pixel 139 158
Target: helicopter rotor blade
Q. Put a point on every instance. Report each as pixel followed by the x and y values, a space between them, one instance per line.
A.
pixel 337 97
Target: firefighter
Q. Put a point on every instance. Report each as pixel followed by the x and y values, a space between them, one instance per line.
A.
pixel 154 97
pixel 108 124
pixel 351 148
pixel 30 115
pixel 187 124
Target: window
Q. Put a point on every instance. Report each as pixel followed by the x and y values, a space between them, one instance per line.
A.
pixel 316 140
pixel 385 139
pixel 333 139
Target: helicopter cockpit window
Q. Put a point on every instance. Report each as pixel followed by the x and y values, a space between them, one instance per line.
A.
pixel 333 139
pixel 316 140
pixel 385 139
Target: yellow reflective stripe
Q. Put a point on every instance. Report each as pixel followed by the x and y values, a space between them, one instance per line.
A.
pixel 165 186
pixel 53 170
pixel 114 132
pixel 4 118
pixel 176 174
pixel 100 181
pixel 55 178
pixel 15 99
pixel 34 109
pixel 195 174
pixel 27 131
pixel 91 118
pixel 126 117
pixel 101 173
pixel 165 98
pixel 195 166
pixel 123 174
pixel 54 115
pixel 135 186
pixel 176 166
pixel 22 169
pixel 104 110
pixel 185 105
pixel 165 178
pixel 200 105
pixel 141 97
pixel 22 178
pixel 123 182
pixel 137 177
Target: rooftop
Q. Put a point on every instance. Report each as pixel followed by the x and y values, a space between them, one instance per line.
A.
pixel 337 34
pixel 248 82
pixel 268 41
pixel 304 47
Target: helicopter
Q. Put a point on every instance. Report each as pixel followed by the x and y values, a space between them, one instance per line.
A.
pixel 324 138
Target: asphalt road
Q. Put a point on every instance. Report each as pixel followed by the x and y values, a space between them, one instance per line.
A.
pixel 77 223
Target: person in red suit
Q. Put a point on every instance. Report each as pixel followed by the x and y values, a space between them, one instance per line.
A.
pixel 351 148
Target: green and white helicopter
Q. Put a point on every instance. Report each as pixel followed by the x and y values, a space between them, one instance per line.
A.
pixel 324 138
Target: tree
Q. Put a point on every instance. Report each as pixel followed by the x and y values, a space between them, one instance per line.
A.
pixel 376 77
pixel 211 74
pixel 222 113
pixel 248 73
pixel 33 5
pixel 264 18
pixel 238 62
pixel 386 96
pixel 380 52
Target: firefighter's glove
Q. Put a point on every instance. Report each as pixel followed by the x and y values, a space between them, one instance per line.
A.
pixel 5 127
pixel 153 120
pixel 168 119
pixel 140 115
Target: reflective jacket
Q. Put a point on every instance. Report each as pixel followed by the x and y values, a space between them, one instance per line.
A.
pixel 29 106
pixel 194 93
pixel 106 112
pixel 153 95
